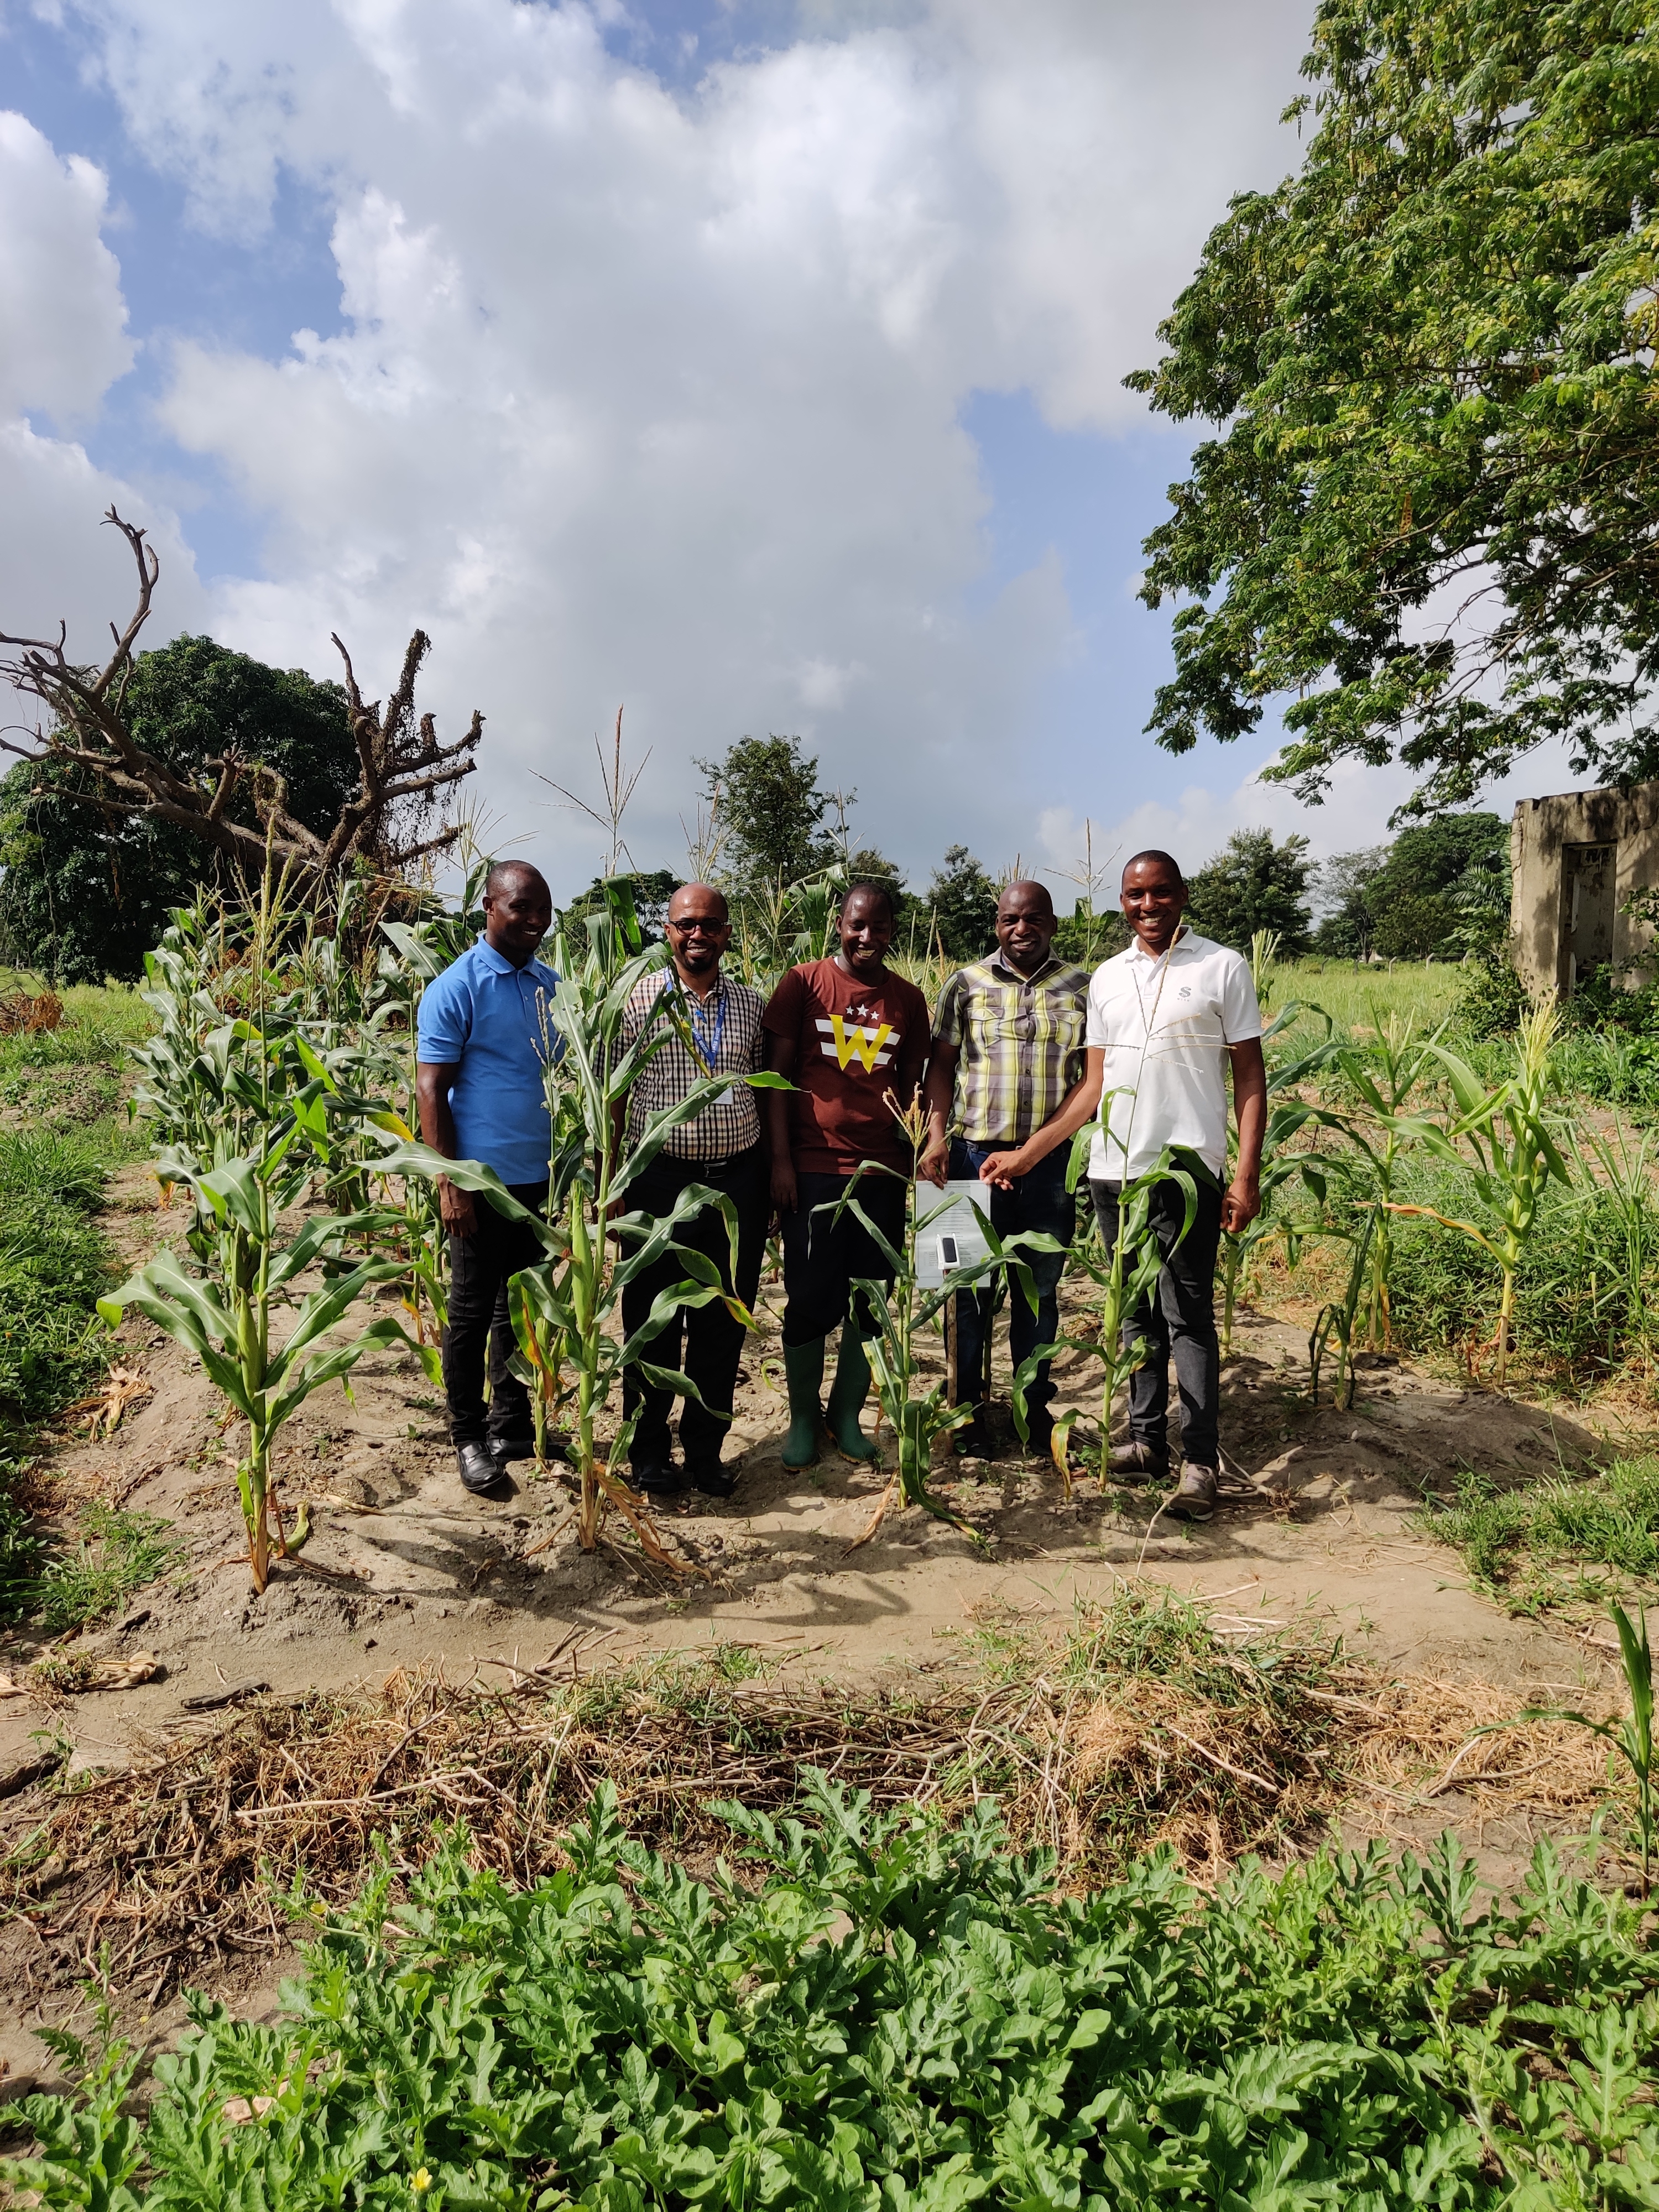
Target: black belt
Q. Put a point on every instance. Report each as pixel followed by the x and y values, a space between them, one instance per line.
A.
pixel 712 1167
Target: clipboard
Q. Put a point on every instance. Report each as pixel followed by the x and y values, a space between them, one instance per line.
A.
pixel 952 1238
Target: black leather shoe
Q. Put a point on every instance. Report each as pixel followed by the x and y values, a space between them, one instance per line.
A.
pixel 712 1479
pixel 656 1479
pixel 508 1449
pixel 481 1471
pixel 973 1440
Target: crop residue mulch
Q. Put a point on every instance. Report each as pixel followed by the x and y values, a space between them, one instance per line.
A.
pixel 1139 1729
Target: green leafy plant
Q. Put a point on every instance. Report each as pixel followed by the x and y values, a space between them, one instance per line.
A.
pixel 876 2012
pixel 257 1157
pixel 1499 1140
pixel 1381 1077
pixel 917 1417
pixel 1630 1739
pixel 1282 1161
pixel 1126 1274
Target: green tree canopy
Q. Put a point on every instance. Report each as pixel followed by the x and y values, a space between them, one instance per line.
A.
pixel 85 894
pixel 1346 885
pixel 768 804
pixel 963 900
pixel 652 888
pixel 1434 889
pixel 1253 883
pixel 1433 519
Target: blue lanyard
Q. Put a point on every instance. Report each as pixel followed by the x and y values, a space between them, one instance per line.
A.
pixel 708 1034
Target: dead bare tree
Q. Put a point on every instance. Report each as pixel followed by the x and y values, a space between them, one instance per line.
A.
pixel 403 770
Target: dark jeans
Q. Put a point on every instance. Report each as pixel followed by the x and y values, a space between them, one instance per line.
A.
pixel 824 1254
pixel 479 1265
pixel 713 1340
pixel 1181 1319
pixel 1039 1201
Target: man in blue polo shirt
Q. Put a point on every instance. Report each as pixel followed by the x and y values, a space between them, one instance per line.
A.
pixel 485 1034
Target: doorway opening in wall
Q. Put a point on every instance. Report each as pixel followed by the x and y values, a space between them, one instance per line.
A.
pixel 1589 875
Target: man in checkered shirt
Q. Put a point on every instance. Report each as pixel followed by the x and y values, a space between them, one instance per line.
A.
pixel 1007 1055
pixel 721 1148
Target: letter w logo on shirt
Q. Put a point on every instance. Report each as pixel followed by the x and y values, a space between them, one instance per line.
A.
pixel 867 1044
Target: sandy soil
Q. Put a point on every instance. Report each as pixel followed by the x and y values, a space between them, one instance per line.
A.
pixel 407 1569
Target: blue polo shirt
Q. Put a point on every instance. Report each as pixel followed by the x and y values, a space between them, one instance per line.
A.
pixel 489 1019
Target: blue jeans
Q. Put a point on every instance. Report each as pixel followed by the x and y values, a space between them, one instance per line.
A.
pixel 1039 1201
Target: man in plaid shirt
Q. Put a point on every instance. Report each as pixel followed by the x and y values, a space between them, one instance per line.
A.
pixel 1007 1054
pixel 721 1148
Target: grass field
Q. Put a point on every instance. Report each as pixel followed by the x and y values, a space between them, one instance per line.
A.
pixel 62 1130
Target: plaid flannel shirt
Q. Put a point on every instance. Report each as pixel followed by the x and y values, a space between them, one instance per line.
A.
pixel 1021 1042
pixel 723 1127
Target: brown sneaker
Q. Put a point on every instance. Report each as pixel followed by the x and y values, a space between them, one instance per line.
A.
pixel 1140 1459
pixel 1194 1497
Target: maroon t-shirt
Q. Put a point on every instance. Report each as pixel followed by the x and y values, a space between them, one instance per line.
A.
pixel 858 1045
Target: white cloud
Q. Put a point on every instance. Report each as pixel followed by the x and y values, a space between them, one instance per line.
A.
pixel 61 308
pixel 63 343
pixel 1197 825
pixel 656 398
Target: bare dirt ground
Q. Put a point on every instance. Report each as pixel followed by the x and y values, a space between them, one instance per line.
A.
pixel 407 1570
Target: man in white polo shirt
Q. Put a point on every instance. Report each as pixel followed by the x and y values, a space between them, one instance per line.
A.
pixel 1162 1015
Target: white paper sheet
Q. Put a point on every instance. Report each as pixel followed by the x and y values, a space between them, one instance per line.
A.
pixel 952 1237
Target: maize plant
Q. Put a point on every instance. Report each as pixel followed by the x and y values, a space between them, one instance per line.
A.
pixel 1499 1140
pixel 1382 1077
pixel 227 1313
pixel 1280 1164
pixel 570 1356
pixel 902 1312
pixel 1126 1274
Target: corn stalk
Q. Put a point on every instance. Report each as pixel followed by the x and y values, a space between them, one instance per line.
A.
pixel 1499 1140
pixel 917 1418
pixel 1126 1274
pixel 225 1314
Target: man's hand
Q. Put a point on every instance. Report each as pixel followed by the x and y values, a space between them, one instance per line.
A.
pixel 936 1162
pixel 1003 1169
pixel 461 1216
pixel 784 1195
pixel 1241 1204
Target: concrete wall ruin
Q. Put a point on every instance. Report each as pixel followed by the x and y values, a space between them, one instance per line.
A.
pixel 1576 859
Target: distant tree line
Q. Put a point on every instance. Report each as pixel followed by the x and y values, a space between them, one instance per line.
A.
pixel 1440 889
pixel 84 892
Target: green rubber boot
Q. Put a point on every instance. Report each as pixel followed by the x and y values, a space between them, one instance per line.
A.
pixel 802 1368
pixel 847 1395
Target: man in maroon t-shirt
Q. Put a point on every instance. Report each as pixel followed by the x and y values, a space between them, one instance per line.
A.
pixel 853 1040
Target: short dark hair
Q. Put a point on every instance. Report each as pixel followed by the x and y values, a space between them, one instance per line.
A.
pixel 501 871
pixel 1152 852
pixel 872 890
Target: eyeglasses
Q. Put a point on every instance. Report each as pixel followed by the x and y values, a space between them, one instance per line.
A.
pixel 698 926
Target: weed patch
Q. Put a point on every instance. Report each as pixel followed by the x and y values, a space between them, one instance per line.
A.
pixel 117 1553
pixel 1568 1539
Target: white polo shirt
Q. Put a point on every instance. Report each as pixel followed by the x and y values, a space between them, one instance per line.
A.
pixel 1164 1024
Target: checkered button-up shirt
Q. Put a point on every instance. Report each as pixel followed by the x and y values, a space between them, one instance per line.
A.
pixel 732 1013
pixel 1021 1042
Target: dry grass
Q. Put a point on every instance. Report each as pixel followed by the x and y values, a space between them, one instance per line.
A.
pixel 1141 1728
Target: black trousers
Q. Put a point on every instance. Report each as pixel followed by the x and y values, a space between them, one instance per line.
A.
pixel 703 1343
pixel 824 1254
pixel 1180 1320
pixel 479 1267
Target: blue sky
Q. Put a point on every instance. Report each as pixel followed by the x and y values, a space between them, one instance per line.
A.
pixel 757 367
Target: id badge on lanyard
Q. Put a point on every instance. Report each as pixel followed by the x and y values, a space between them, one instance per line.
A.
pixel 708 1036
